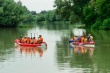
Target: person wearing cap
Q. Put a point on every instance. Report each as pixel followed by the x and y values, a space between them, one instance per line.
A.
pixel 40 39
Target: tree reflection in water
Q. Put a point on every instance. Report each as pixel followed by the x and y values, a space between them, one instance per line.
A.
pixel 31 50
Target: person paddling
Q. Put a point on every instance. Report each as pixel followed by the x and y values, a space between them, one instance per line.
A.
pixel 40 39
pixel 28 40
pixel 88 37
pixel 71 40
pixel 35 41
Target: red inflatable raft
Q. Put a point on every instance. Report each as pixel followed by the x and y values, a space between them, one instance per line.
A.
pixel 17 42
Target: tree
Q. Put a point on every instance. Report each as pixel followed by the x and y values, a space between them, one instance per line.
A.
pixel 70 9
pixel 12 13
pixel 98 12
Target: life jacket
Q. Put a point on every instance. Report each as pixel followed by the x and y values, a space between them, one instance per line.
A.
pixel 88 38
pixel 82 39
pixel 91 37
pixel 85 39
pixel 22 40
pixel 35 41
pixel 40 39
pixel 79 39
pixel 28 40
pixel 25 40
pixel 31 41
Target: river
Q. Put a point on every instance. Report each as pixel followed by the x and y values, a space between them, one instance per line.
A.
pixel 58 57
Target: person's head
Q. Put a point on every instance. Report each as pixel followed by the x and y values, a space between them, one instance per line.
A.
pixel 40 35
pixel 20 37
pixel 33 37
pixel 85 37
pixel 89 34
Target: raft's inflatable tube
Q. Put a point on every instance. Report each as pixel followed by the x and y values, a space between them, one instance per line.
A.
pixel 31 45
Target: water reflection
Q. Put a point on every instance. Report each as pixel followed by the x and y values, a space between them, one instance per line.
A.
pixel 61 57
pixel 81 50
pixel 77 59
pixel 31 50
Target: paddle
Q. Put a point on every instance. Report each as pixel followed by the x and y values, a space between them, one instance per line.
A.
pixel 34 34
pixel 31 35
pixel 37 35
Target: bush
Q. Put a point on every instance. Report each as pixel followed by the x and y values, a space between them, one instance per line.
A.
pixel 97 25
pixel 106 24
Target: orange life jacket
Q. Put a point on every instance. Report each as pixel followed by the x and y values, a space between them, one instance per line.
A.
pixel 82 39
pixel 40 39
pixel 28 40
pixel 23 40
pixel 35 41
pixel 31 41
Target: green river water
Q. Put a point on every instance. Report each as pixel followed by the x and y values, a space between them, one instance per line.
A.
pixel 58 57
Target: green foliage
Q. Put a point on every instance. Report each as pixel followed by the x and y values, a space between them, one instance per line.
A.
pixel 12 13
pixel 1 10
pixel 89 13
pixel 70 9
pixel 48 16
pixel 97 25
pixel 33 12
pixel 106 24
pixel 103 25
pixel 94 14
pixel 73 18
pixel 40 18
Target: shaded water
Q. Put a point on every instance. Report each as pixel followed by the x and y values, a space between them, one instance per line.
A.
pixel 59 56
